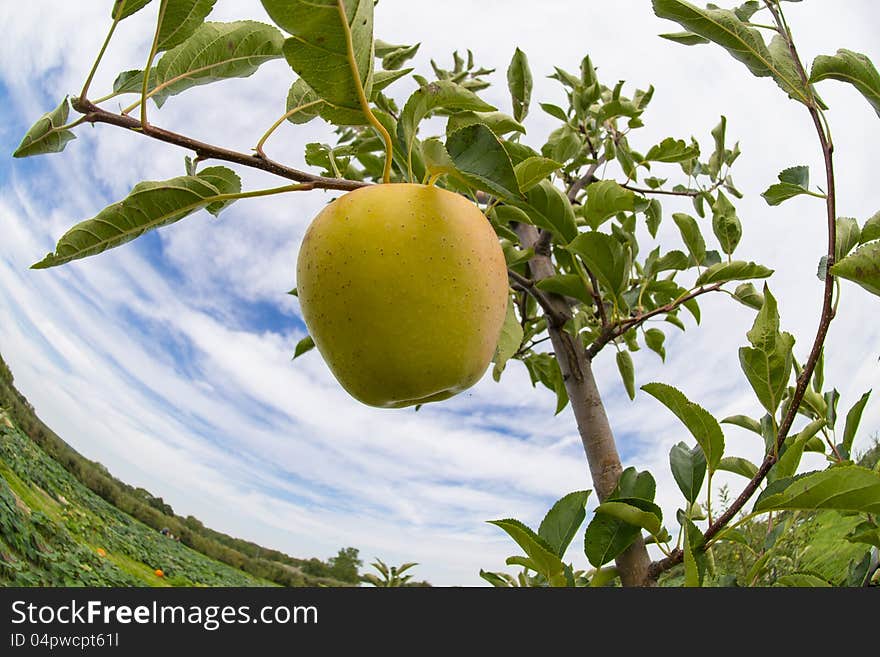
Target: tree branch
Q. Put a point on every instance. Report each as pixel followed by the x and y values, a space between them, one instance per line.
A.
pixel 554 314
pixel 597 298
pixel 613 332
pixel 588 408
pixel 825 318
pixel 585 179
pixel 668 192
pixel 94 114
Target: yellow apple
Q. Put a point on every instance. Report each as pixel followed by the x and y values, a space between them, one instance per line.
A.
pixel 403 288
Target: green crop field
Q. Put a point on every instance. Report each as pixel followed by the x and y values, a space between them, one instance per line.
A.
pixel 56 532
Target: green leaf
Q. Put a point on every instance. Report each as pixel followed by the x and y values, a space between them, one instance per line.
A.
pixel 536 547
pixel 691 235
pixel 672 150
pixel 518 152
pixel 654 338
pixel 508 342
pixel 653 216
pixel 216 51
pixel 792 182
pixel 738 465
pixel 717 158
pixel 318 48
pixel 525 562
pixel 515 256
pixel 442 94
pixel 149 205
pixel 745 422
pixel 302 96
pixel 691 571
pixel 843 488
pixel 704 428
pixel 605 257
pixel 519 82
pixel 45 136
pixel 768 363
pixel 547 207
pixel 744 43
pixel 632 515
pixel 853 418
pixel 555 111
pixel 533 170
pixel 803 580
pixel 737 270
pixel 569 285
pixel 383 79
pixel 304 345
pixel 399 56
pixel 544 367
pixel 793 450
pixel 633 483
pixel 848 235
pixel 563 521
pixel 605 199
pixel 685 38
pixel 852 67
pixel 865 532
pixel 688 468
pixel 563 144
pixel 871 230
pixel 694 557
pixel 607 536
pixel 125 8
pixel 748 295
pixel 673 260
pixel 862 266
pixel 382 48
pixel 615 108
pixel 225 180
pixel 785 72
pixel 496 579
pixel 725 224
pixel 831 398
pixel 132 82
pixel 627 372
pixel 180 20
pixel 498 122
pixel 481 158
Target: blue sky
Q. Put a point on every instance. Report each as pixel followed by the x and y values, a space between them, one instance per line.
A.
pixel 168 359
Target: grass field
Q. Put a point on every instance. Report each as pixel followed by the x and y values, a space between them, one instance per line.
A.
pixel 56 532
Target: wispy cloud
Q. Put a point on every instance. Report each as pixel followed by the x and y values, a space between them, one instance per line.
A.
pixel 169 359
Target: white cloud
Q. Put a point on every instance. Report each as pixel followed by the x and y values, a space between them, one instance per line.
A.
pixel 199 403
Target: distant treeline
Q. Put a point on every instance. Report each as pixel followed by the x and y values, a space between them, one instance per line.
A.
pixel 272 565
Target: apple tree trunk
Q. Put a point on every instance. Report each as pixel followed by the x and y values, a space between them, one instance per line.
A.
pixel 589 411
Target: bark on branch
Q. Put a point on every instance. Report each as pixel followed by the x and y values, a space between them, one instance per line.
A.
pixel 204 151
pixel 586 402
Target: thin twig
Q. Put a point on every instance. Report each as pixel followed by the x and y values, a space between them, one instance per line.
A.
pixel 94 114
pixel 597 297
pixel 540 296
pixel 824 321
pixel 612 332
pixel 585 179
pixel 668 192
